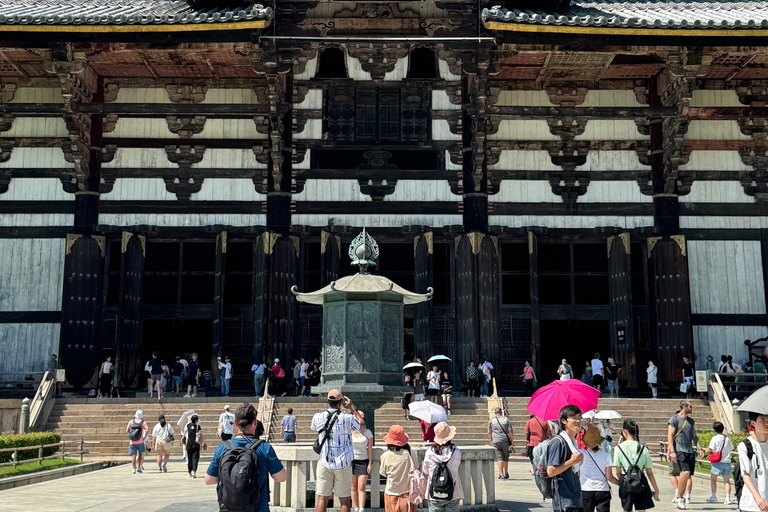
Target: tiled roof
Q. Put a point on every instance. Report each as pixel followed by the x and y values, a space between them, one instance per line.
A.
pixel 122 12
pixel 649 14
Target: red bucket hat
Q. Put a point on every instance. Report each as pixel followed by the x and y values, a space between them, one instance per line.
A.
pixel 396 436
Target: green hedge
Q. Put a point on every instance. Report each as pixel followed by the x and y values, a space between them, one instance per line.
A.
pixel 705 436
pixel 31 439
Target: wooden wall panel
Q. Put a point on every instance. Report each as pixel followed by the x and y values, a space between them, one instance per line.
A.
pixel 382 221
pixel 441 130
pixel 717 340
pixel 27 347
pixel 722 222
pixel 36 189
pixel 710 98
pixel 524 161
pixel 38 95
pixel 138 189
pixel 445 71
pixel 228 189
pixel 601 98
pixel 717 192
pixel 614 192
pixel 37 127
pixel 726 277
pixel 142 95
pixel 613 161
pixel 570 221
pixel 400 71
pixel 421 190
pixel 36 219
pixel 610 129
pixel 715 130
pixel 440 101
pixel 525 191
pixel 159 219
pixel 31 274
pixel 154 189
pixel 142 158
pixel 313 99
pixel 536 129
pixel 708 160
pixel 312 130
pixel 331 190
pixel 36 158
pixel 309 71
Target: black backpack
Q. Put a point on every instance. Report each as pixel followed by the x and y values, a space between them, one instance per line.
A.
pixel 441 485
pixel 135 433
pixel 633 481
pixel 238 488
pixel 738 481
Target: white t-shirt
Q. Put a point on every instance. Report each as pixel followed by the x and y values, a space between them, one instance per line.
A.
pixel 162 433
pixel 652 374
pixel 716 445
pixel 759 478
pixel 227 422
pixel 227 367
pixel 434 380
pixel 597 367
pixel 486 368
pixel 593 469
pixel 360 445
pixel 304 368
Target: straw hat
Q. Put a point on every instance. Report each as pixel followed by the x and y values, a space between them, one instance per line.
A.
pixel 592 437
pixel 396 436
pixel 444 433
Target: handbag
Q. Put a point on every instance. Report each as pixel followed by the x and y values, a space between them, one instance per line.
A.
pixel 318 445
pixel 716 457
pixel 417 484
pixel 684 387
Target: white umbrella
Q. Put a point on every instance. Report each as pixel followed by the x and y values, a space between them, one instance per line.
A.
pixel 756 403
pixel 608 415
pixel 184 416
pixel 589 414
pixel 427 411
pixel 413 365
pixel 439 359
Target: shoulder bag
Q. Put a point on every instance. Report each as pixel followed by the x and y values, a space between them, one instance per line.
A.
pixel 327 429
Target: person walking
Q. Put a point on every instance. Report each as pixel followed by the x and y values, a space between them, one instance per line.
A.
pixel 194 440
pixel 226 375
pixel 249 429
pixel 258 370
pixel 278 375
pixel 502 438
pixel 719 453
pixel 177 370
pixel 395 466
pixel 162 437
pixel 440 496
pixel 137 432
pixel 653 379
pixel 303 376
pixel 334 469
pixel 155 375
pixel 565 371
pixel 473 379
pixel 362 460
pixel 612 376
pixel 288 427
pixel 296 381
pixel 681 434
pixel 226 424
pixel 564 461
pixel 628 454
pixel 166 378
pixel 487 377
pixel 754 468
pixel 536 432
pixel 689 380
pixel 105 378
pixel 446 390
pixel 193 375
pixel 529 378
pixel 598 372
pixel 418 386
pixel 596 473
pixel 433 384
pixel 586 377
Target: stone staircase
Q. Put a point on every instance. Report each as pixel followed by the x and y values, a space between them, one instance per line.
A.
pixel 104 421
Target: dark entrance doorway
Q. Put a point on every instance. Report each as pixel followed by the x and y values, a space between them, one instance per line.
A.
pixel 574 340
pixel 177 337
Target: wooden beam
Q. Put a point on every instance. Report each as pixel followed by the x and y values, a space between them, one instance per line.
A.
pixel 590 112
pixel 211 110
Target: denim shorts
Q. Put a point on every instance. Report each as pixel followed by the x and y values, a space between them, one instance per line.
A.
pixel 721 469
pixel 134 449
pixel 177 380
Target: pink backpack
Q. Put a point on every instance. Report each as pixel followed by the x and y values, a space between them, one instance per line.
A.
pixel 418 484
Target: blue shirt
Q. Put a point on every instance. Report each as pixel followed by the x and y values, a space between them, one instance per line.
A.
pixel 269 464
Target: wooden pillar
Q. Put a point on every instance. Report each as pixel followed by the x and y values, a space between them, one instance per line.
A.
pixel 621 319
pixel 259 291
pixel 80 339
pixel 670 305
pixel 466 336
pixel 488 295
pixel 129 322
pixel 330 257
pixel 533 262
pixel 422 324
pixel 218 300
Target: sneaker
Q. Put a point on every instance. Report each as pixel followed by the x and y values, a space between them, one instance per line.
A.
pixel 159 469
pixel 194 475
pixel 727 501
pixel 449 412
pixel 680 504
pixel 712 499
pixel 687 499
pixel 506 477
pixel 674 499
pixel 134 471
pixel 190 474
pixel 187 396
pixel 194 395
pixel 140 470
pixel 165 468
pixel 500 477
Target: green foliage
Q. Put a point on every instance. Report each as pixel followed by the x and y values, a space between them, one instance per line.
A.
pixel 34 467
pixel 31 439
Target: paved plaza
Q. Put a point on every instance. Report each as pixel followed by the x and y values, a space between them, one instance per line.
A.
pixel 116 490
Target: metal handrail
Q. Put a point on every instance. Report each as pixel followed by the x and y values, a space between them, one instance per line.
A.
pixel 45 392
pixel 722 402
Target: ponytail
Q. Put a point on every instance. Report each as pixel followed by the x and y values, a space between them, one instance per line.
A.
pixel 633 428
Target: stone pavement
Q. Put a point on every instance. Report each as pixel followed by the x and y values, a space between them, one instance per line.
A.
pixel 117 490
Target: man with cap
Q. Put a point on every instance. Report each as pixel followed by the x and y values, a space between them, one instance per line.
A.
pixel 334 469
pixel 248 430
pixel 226 374
pixel 226 424
pixel 136 445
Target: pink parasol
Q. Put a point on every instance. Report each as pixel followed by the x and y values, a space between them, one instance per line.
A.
pixel 547 401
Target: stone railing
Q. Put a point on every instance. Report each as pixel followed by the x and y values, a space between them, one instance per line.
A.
pixel 477 474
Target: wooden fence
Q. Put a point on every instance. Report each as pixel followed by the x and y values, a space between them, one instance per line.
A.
pixel 61 452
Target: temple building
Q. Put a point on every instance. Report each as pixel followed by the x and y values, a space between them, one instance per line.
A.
pixel 588 178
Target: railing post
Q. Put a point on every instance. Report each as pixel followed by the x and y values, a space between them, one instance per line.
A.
pixel 15 458
pixel 40 455
pixel 63 450
pixel 24 419
pixel 82 449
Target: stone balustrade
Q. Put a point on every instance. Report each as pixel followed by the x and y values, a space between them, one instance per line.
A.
pixel 477 473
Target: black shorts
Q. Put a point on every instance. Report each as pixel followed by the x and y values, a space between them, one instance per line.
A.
pixel 360 467
pixel 599 501
pixel 432 392
pixel 597 380
pixel 642 501
pixel 529 452
pixel 687 462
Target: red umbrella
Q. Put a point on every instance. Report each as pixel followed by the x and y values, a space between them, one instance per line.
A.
pixel 547 401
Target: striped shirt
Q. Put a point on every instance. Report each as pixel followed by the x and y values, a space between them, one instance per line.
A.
pixel 337 451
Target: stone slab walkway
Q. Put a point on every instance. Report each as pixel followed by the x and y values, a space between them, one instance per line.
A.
pixel 117 490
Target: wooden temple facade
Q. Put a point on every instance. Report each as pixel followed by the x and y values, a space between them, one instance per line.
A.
pixel 568 183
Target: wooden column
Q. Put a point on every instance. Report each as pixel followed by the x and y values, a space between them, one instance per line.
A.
pixel 488 303
pixel 80 339
pixel 466 337
pixel 259 291
pixel 422 324
pixel 621 319
pixel 533 262
pixel 330 257
pixel 129 322
pixel 218 301
pixel 670 305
